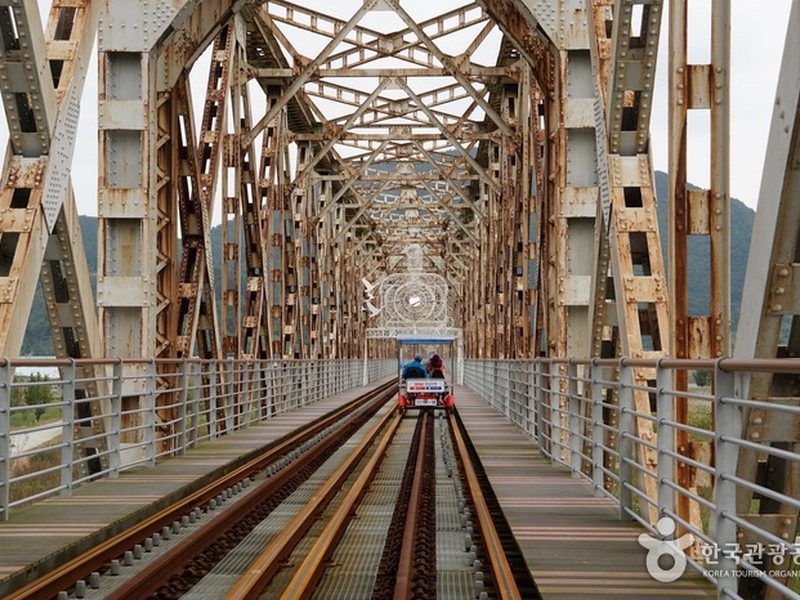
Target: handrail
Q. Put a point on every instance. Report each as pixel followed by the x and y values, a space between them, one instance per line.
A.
pixel 564 405
pixel 53 439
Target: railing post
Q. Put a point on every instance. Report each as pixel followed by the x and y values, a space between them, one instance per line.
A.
pixel 193 402
pixel 542 401
pixel 150 412
pixel 626 407
pixel 554 398
pixel 296 372
pixel 183 377
pixel 115 436
pixel 250 375
pixel 68 429
pixel 265 391
pixel 312 382
pixel 665 441
pixel 598 477
pixel 504 373
pixel 531 408
pixel 5 436
pixel 213 400
pixel 574 407
pixel 728 427
pixel 232 415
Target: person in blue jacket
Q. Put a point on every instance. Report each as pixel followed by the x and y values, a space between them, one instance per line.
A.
pixel 415 369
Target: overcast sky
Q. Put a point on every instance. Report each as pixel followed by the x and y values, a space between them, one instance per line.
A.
pixel 757 44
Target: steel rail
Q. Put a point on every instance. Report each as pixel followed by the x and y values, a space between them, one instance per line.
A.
pixel 98 557
pixel 404 580
pixel 148 581
pixel 502 576
pixel 310 571
pixel 268 563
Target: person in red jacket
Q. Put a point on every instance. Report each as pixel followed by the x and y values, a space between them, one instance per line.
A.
pixel 436 367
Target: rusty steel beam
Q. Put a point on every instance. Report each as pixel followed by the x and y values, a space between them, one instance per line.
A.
pixel 507 177
pixel 769 324
pixel 628 249
pixel 197 312
pixel 44 75
pixel 704 213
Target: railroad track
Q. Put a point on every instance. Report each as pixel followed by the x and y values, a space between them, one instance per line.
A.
pixel 378 502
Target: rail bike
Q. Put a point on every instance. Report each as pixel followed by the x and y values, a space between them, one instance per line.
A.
pixel 419 390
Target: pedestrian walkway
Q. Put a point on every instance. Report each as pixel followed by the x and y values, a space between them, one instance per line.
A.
pixel 573 542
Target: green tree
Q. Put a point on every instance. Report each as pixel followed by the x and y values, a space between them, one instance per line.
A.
pixel 701 378
pixel 38 394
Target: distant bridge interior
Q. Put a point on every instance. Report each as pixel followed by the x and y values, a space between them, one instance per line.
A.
pixel 480 170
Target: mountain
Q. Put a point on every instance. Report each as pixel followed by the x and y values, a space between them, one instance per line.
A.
pixel 39 343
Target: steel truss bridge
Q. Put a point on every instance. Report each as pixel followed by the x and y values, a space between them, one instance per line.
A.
pixel 500 146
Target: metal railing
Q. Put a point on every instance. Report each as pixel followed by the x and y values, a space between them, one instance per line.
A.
pixel 615 423
pixel 54 436
pixel 612 422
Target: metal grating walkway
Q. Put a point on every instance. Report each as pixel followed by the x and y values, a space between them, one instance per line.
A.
pixel 573 542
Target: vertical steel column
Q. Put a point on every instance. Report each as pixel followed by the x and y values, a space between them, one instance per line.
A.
pixel 231 213
pixel 198 323
pixel 127 244
pixel 702 213
pixel 574 210
pixel 631 318
pixel 250 193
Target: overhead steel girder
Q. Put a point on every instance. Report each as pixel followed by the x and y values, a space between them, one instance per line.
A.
pixel 532 36
pixel 379 106
pixel 307 71
pixel 410 51
pixel 465 75
pixel 331 140
pixel 389 108
pixel 453 67
pixel 478 168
